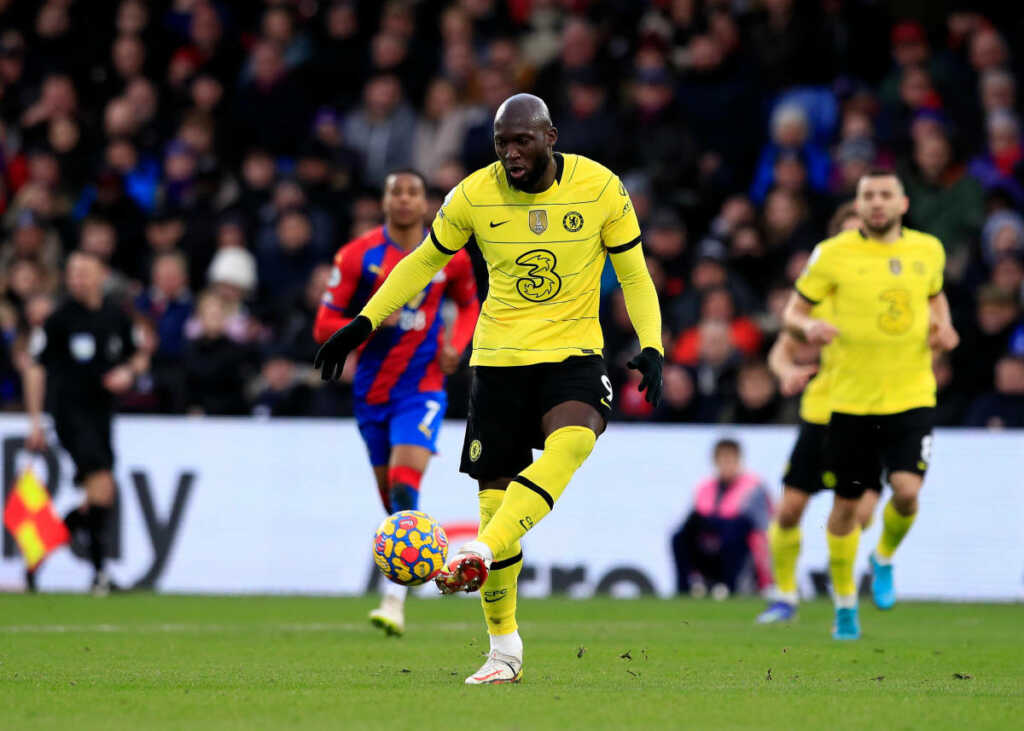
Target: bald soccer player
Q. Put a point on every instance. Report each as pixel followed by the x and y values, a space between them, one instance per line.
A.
pixel 545 222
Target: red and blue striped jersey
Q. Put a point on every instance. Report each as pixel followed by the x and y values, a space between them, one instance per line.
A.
pixel 401 357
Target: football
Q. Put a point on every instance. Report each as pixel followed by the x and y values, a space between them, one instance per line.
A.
pixel 410 547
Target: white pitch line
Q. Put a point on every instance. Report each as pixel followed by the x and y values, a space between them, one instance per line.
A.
pixel 180 627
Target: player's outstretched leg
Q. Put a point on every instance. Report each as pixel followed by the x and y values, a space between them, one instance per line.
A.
pixel 498 599
pixel 530 496
pixel 897 517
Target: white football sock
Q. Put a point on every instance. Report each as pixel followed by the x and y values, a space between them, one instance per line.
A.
pixel 480 548
pixel 510 644
pixel 394 591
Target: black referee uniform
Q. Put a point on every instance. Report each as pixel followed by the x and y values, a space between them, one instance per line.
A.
pixel 78 346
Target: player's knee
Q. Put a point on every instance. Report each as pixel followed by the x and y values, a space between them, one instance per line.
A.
pixel 574 442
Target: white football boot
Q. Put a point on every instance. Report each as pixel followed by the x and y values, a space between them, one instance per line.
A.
pixel 390 615
pixel 499 668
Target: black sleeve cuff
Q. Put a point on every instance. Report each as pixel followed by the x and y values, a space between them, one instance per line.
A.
pixel 440 247
pixel 623 247
pixel 806 298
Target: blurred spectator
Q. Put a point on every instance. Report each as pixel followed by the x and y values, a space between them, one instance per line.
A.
pixel 709 272
pixel 715 371
pixel 215 367
pixel 286 262
pixel 757 398
pixel 588 123
pixel 1003 235
pixel 667 154
pixel 999 166
pixel 944 200
pixel 1003 408
pixel 985 340
pixel 718 305
pixel 724 534
pixel 383 129
pixel 280 391
pixel 271 110
pixel 440 129
pixel 167 303
pixel 790 132
pixel 232 277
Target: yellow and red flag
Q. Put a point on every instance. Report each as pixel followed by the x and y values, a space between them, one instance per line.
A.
pixel 31 519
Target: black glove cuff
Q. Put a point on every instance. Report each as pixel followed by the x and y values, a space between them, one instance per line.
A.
pixel 653 354
pixel 361 327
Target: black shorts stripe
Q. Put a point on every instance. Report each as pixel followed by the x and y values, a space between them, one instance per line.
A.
pixel 536 488
pixel 506 562
pixel 440 247
pixel 623 247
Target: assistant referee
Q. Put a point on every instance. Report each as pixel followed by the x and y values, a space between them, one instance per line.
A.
pixel 83 356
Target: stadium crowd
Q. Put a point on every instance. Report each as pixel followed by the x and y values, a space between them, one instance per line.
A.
pixel 216 154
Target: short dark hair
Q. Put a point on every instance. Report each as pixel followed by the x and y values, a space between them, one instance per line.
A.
pixel 409 171
pixel 727 443
pixel 882 172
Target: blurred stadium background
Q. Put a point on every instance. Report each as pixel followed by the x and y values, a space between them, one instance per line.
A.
pixel 233 146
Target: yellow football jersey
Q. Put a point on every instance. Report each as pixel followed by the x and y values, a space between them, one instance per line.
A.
pixel 880 363
pixel 545 253
pixel 814 404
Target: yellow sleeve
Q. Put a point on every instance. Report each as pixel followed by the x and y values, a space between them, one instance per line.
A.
pixel 621 230
pixel 409 277
pixel 818 278
pixel 640 295
pixel 453 224
pixel 937 283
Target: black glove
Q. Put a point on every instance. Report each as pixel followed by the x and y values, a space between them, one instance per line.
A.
pixel 648 362
pixel 332 354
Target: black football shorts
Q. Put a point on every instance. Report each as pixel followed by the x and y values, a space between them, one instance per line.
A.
pixel 806 470
pixel 507 403
pixel 857 444
pixel 85 435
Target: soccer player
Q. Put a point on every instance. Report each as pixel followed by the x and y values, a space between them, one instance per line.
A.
pixel 83 356
pixel 399 379
pixel 793 363
pixel 545 222
pixel 885 283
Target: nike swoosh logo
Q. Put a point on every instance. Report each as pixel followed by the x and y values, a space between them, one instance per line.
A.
pixel 499 223
pixel 491 601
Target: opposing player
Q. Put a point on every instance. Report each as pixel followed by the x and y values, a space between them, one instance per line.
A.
pixel 545 222
pixel 399 379
pixel 887 311
pixel 802 367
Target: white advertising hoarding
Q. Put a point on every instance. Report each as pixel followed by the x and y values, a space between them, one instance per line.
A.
pixel 242 506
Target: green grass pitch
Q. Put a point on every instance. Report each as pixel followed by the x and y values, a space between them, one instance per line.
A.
pixel 178 662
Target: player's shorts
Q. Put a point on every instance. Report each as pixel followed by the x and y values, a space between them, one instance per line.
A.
pixel 857 444
pixel 507 404
pixel 414 419
pixel 85 435
pixel 806 468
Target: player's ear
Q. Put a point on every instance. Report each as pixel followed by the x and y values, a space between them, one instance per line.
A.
pixel 905 205
pixel 552 135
